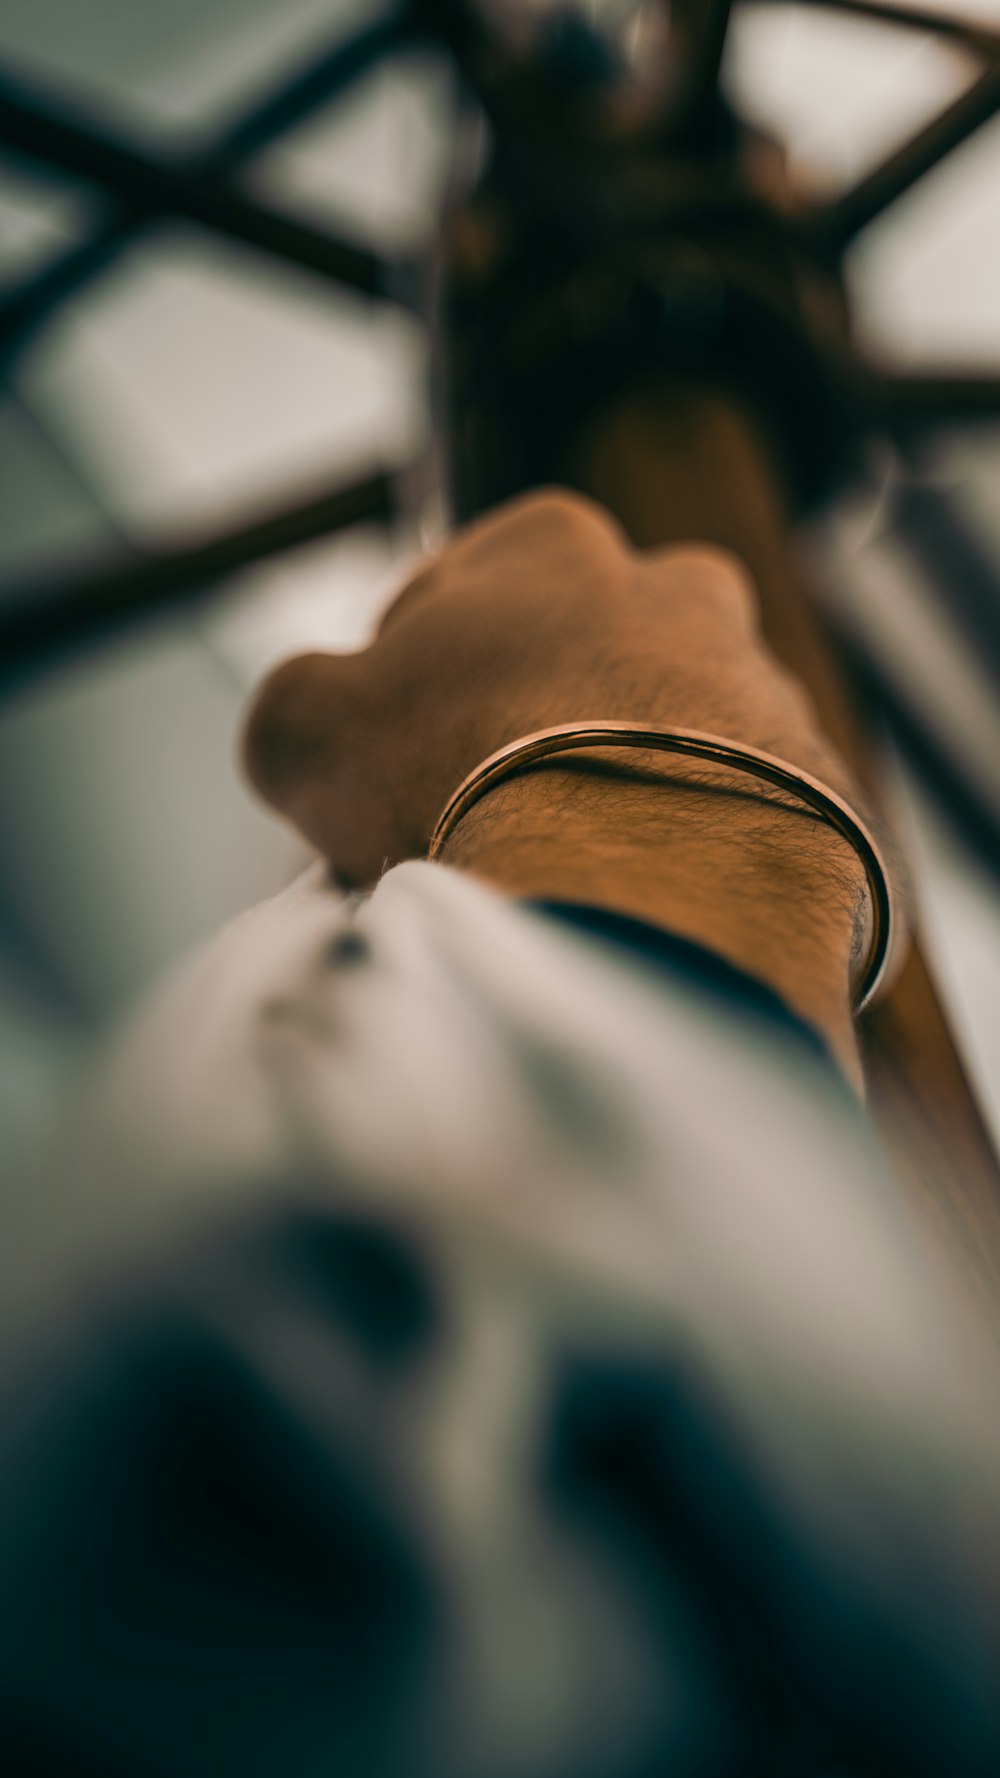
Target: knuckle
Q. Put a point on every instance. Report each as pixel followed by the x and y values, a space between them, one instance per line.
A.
pixel 709 571
pixel 286 726
pixel 560 512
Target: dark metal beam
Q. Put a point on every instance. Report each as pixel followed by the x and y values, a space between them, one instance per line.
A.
pixel 966 579
pixel 972 814
pixel 41 620
pixel 26 307
pixel 964 575
pixel 908 402
pixel 846 216
pixel 36 126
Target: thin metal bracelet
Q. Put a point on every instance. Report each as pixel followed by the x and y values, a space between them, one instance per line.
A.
pixel 568 737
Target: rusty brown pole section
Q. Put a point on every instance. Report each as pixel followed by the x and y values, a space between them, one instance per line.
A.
pixel 677 464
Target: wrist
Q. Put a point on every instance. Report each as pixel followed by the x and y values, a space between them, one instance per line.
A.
pixel 750 876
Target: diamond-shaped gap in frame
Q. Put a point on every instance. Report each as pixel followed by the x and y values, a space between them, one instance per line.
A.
pixel 839 91
pixel 373 164
pixel 198 384
pixel 925 277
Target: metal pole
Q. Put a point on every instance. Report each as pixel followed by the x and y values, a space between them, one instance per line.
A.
pixel 679 463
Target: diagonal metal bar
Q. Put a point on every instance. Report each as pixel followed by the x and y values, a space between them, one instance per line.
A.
pixel 937 24
pixel 972 812
pixel 906 401
pixel 846 216
pixel 26 306
pixel 42 620
pixel 966 578
pixel 312 86
pixel 958 566
pixel 33 125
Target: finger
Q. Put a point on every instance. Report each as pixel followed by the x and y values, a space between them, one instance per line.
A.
pixel 312 748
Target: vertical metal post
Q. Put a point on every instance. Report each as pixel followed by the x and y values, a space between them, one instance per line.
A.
pixel 681 463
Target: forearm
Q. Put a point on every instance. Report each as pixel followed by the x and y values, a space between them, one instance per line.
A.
pixel 703 855
pixel 539 615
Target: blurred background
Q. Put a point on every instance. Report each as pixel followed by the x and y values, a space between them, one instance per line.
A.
pixel 190 384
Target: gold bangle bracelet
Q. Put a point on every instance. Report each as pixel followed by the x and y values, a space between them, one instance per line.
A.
pixel 568 737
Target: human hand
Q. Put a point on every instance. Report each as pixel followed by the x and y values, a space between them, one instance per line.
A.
pixel 543 613
pixel 538 614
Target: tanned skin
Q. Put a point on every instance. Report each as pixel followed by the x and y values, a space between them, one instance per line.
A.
pixel 543 613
